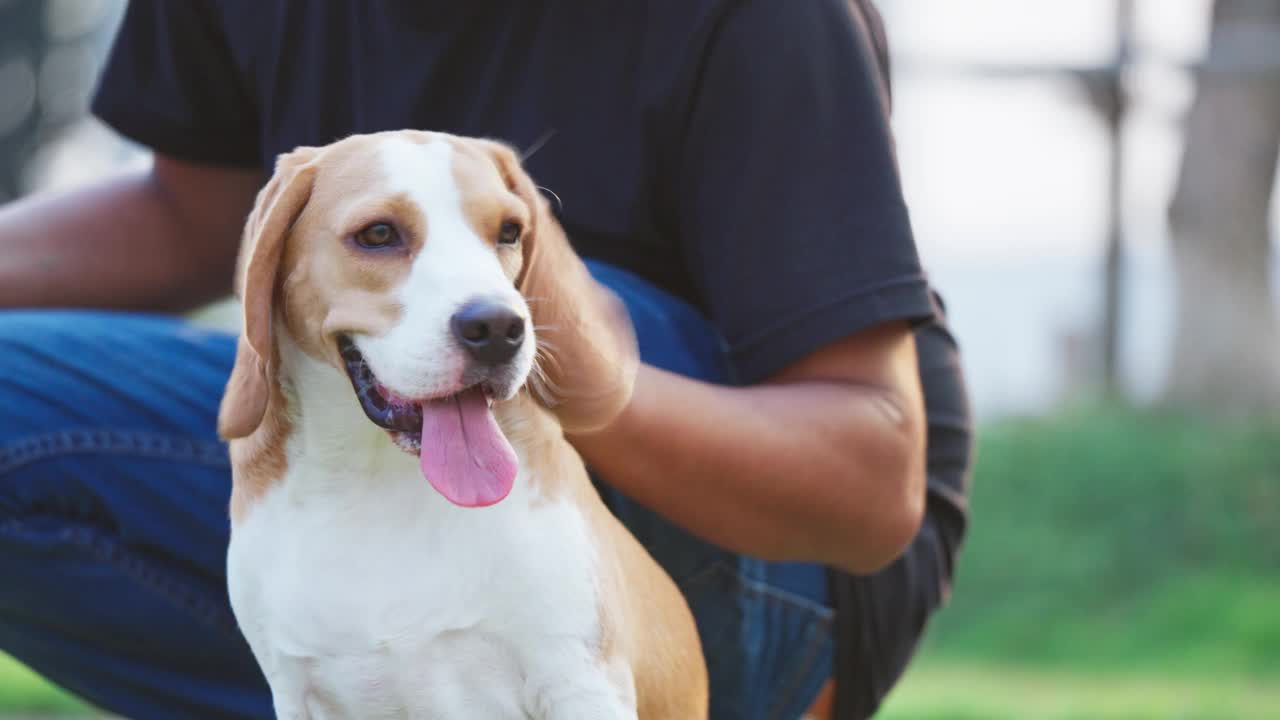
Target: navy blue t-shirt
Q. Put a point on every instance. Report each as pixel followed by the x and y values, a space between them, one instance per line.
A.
pixel 735 153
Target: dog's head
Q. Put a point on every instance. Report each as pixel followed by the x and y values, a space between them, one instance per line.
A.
pixel 395 258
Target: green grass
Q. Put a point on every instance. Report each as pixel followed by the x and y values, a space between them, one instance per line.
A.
pixel 1194 626
pixel 978 691
pixel 1111 539
pixel 24 692
pixel 1120 564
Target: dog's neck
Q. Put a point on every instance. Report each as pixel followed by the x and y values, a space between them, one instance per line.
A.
pixel 325 416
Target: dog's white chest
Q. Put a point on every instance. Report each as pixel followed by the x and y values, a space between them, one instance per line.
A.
pixel 371 599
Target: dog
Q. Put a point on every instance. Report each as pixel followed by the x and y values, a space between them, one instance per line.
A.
pixel 412 535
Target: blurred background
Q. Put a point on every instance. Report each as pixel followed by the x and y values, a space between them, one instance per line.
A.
pixel 1093 185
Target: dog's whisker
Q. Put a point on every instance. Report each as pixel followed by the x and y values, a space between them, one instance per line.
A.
pixel 546 391
pixel 542 357
pixel 539 373
pixel 541 385
pixel 548 350
pixel 540 394
pixel 559 202
pixel 550 361
pixel 538 144
pixel 544 361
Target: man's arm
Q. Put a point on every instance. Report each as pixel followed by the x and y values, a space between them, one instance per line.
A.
pixel 162 239
pixel 787 206
pixel 824 462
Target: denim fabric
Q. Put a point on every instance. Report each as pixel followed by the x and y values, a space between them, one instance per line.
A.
pixel 113 523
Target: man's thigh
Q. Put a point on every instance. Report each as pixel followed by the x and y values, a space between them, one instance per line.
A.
pixel 113 520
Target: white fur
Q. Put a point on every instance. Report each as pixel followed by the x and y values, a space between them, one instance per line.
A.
pixel 365 594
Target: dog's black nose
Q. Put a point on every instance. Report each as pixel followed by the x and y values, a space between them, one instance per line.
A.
pixel 491 331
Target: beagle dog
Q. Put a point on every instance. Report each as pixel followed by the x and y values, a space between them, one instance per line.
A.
pixel 412 535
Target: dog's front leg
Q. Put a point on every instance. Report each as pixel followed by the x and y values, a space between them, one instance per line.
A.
pixel 291 711
pixel 575 704
pixel 290 706
pixel 293 707
pixel 574 686
pixel 292 698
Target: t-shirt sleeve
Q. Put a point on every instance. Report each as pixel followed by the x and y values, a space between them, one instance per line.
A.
pixel 170 83
pixel 789 207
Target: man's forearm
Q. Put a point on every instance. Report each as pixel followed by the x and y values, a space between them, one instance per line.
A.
pixel 819 471
pixel 125 243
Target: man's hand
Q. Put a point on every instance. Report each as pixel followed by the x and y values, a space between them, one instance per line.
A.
pixel 823 463
pixel 164 239
pixel 587 355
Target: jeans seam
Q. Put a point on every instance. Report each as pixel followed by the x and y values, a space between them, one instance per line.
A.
pixel 34 448
pixel 761 589
pixel 111 551
pixel 698 576
pixel 786 696
pixel 92 539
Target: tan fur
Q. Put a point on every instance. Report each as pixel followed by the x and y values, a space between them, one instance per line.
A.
pixel 298 275
pixel 259 459
pixel 253 409
pixel 585 326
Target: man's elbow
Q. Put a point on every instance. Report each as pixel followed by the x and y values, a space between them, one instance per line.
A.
pixel 893 533
pixel 883 539
pixel 885 527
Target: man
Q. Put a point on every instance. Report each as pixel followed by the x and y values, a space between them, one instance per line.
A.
pixel 728 170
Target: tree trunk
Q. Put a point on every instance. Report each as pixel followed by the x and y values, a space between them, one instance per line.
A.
pixel 1226 354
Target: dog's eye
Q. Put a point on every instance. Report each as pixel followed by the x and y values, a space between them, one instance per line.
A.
pixel 509 233
pixel 378 235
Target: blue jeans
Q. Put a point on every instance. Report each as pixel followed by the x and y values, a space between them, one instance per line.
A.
pixel 114 527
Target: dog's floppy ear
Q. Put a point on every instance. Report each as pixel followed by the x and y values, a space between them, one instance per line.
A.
pixel 278 206
pixel 522 185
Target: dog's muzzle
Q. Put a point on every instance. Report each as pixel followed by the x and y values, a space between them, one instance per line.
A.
pixel 460 448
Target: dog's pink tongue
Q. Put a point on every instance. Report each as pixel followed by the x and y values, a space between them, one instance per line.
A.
pixel 464 454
